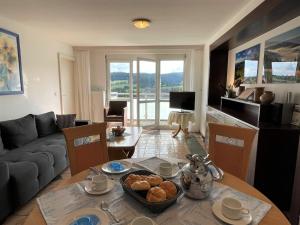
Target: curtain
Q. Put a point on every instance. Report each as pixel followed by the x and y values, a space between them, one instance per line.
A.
pixel 82 85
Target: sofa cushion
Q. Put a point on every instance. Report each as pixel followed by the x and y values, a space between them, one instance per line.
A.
pixel 18 132
pixel 45 124
pixel 1 145
pixel 65 121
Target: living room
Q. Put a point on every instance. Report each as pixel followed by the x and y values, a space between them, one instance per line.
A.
pixel 190 76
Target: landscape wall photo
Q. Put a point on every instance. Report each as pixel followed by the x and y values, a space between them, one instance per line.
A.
pixel 246 65
pixel 282 57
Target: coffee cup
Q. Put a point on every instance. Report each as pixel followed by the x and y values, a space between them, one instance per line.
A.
pixel 232 209
pixel 99 182
pixel 142 220
pixel 165 169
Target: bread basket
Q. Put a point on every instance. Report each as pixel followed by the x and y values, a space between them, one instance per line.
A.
pixel 140 196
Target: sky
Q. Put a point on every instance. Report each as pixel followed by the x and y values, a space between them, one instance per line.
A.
pixel 251 67
pixel 284 68
pixel 149 66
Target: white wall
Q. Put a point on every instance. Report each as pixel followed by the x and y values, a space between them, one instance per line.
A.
pixel 280 90
pixel 40 73
pixel 193 65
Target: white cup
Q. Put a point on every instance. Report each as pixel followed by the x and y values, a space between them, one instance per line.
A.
pixel 232 209
pixel 143 220
pixel 99 182
pixel 165 169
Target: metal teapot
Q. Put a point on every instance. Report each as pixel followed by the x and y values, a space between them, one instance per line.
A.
pixel 197 176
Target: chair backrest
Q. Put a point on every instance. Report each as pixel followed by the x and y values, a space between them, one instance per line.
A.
pixel 230 148
pixel 86 146
pixel 117 104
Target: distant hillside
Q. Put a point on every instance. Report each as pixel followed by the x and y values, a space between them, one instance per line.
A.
pixel 170 79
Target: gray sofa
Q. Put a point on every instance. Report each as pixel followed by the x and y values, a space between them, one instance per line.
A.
pixel 32 153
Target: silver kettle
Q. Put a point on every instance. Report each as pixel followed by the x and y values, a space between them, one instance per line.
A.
pixel 197 176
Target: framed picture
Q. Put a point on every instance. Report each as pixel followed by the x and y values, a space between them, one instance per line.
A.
pixel 11 80
pixel 296 116
pixel 281 61
pixel 246 94
pixel 246 65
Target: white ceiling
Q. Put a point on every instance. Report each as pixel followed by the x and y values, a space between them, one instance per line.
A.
pixel 108 22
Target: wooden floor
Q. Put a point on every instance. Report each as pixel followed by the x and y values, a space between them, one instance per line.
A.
pixel 152 143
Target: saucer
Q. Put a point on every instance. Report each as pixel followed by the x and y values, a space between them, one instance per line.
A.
pixel 217 210
pixel 89 190
pixel 93 215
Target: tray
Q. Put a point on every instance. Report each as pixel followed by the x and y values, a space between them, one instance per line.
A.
pixel 140 196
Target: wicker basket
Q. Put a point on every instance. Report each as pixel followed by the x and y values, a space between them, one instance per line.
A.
pixel 140 196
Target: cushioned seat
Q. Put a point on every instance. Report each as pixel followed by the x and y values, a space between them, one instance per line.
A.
pixel 24 182
pixel 44 161
pixel 6 205
pixel 53 144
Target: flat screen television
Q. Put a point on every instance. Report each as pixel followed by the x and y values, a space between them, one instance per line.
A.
pixel 182 100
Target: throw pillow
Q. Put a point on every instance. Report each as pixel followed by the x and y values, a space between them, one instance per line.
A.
pixel 45 124
pixel 18 132
pixel 65 121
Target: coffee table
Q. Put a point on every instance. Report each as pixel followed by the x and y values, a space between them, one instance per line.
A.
pixel 123 146
pixel 273 217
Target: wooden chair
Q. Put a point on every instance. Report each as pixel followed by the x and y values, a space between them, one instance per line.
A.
pixel 86 146
pixel 230 148
pixel 117 112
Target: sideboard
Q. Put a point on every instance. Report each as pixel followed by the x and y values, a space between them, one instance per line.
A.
pixel 275 157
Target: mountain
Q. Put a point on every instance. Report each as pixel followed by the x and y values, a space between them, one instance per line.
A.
pixel 169 79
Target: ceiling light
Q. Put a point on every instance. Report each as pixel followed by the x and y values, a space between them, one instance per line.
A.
pixel 141 23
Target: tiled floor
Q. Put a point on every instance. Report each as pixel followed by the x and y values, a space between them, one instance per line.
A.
pixel 152 143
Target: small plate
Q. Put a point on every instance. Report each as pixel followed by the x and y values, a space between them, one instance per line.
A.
pixel 97 217
pixel 107 168
pixel 217 210
pixel 88 188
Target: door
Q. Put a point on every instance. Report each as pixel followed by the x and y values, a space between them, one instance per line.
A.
pixel 146 93
pixel 66 72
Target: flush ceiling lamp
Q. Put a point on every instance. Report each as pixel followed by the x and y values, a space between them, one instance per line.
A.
pixel 141 23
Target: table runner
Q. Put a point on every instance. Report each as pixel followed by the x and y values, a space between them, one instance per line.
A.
pixel 55 205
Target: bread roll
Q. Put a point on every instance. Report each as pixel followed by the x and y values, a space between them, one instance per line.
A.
pixel 154 180
pixel 140 186
pixel 131 179
pixel 170 188
pixel 156 194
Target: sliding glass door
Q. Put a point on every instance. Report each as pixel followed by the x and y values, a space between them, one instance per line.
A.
pixel 145 84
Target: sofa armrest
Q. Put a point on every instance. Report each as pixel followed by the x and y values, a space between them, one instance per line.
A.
pixel 125 115
pixel 105 111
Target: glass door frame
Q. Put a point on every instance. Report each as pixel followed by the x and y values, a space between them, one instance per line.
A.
pixel 108 83
pixel 157 58
pixel 157 88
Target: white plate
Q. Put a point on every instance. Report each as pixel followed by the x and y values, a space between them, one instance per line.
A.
pixel 88 188
pixel 107 169
pixel 217 210
pixel 73 216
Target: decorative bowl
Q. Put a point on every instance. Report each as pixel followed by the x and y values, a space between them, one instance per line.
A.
pixel 118 131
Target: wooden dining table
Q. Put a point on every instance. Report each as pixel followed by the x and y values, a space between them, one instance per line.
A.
pixel 273 217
